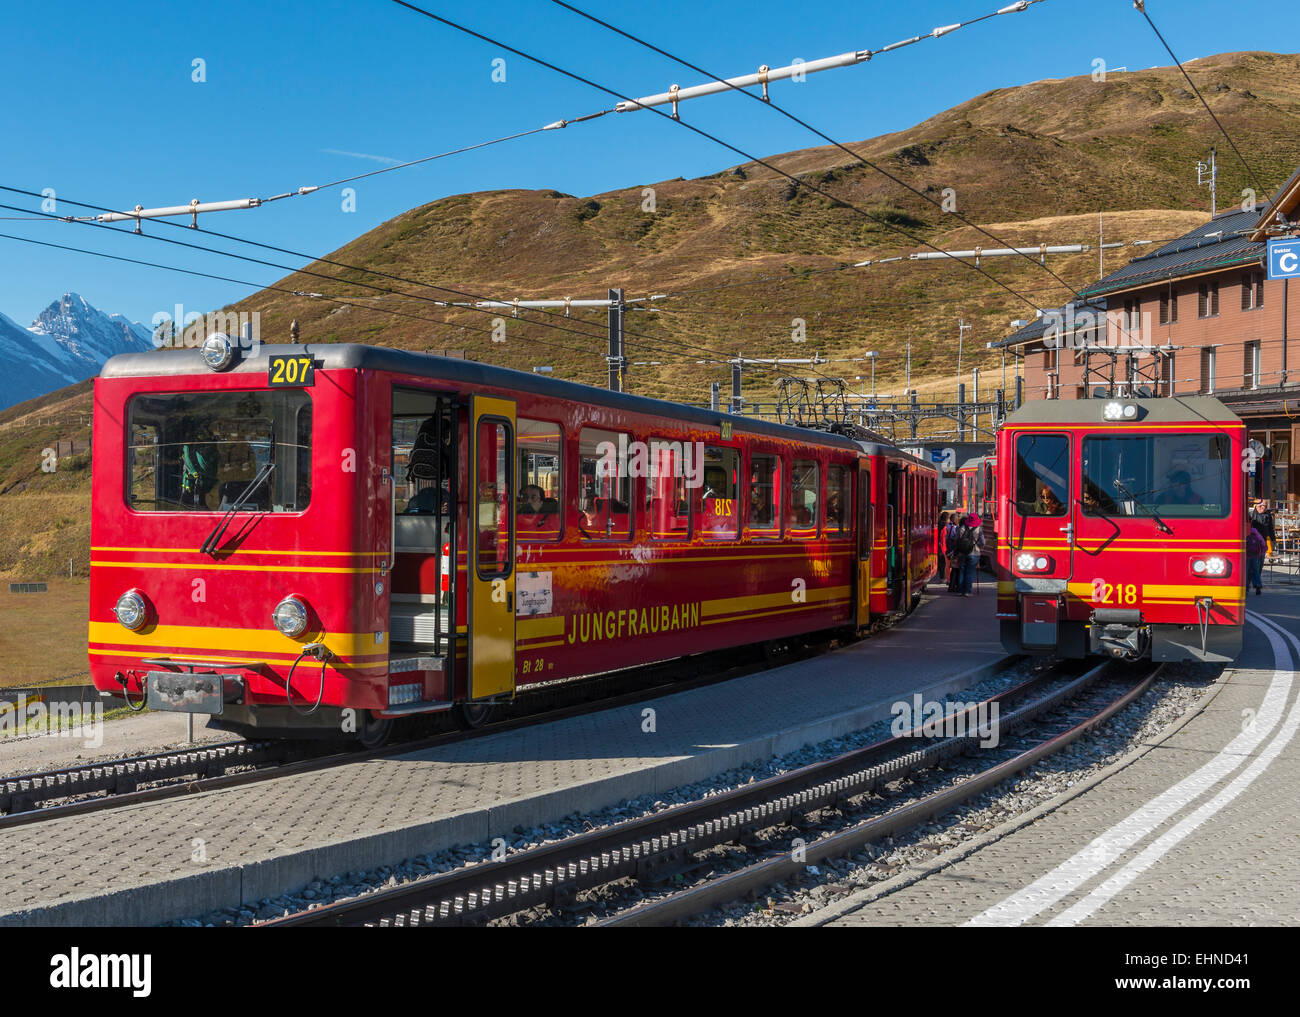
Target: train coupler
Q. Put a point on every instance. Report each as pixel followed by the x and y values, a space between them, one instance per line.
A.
pixel 1119 633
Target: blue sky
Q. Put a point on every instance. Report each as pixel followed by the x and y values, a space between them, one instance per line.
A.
pixel 101 106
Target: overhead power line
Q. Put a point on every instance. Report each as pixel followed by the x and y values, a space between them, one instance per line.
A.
pixel 705 134
pixel 260 286
pixel 742 85
pixel 657 341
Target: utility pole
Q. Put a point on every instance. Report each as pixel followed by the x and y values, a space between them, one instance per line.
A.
pixel 617 362
pixel 962 327
pixel 713 396
pixel 736 401
pixel 1101 250
pixel 909 363
pixel 975 388
pixel 1208 173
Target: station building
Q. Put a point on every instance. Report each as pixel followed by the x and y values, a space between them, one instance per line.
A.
pixel 1196 316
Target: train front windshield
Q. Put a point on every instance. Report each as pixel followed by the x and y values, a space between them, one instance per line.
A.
pixel 212 451
pixel 1173 476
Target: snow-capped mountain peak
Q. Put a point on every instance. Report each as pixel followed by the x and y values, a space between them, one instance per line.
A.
pixel 68 341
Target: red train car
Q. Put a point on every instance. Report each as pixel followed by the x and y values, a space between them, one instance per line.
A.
pixel 977 484
pixel 1121 529
pixel 325 539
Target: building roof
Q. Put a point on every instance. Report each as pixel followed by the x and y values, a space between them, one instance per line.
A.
pixel 1232 238
pixel 1222 242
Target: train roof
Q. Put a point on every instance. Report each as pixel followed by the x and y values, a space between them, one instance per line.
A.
pixel 354 356
pixel 1165 410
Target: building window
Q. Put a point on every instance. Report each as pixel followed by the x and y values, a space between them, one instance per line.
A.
pixel 1208 304
pixel 1169 308
pixel 1252 291
pixel 1208 357
pixel 1250 373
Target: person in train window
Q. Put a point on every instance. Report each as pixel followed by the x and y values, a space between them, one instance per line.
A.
pixel 1179 490
pixel 531 500
pixel 833 512
pixel 1048 503
pixel 760 503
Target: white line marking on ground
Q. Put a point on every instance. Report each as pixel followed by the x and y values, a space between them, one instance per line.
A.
pixel 1156 850
pixel 1104 850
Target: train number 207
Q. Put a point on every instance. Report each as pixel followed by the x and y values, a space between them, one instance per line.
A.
pixel 291 371
pixel 1118 593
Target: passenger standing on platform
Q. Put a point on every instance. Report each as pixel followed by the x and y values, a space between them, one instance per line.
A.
pixel 968 543
pixel 941 544
pixel 954 559
pixel 1261 519
pixel 1255 560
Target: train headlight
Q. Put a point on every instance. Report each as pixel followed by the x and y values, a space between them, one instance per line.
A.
pixel 1214 567
pixel 290 617
pixel 1028 562
pixel 1024 561
pixel 1119 411
pixel 218 351
pixel 131 610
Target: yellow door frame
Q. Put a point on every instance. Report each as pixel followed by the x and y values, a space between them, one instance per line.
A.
pixel 864 525
pixel 492 595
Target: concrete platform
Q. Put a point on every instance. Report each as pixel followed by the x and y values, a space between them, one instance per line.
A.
pixel 1200 828
pixel 173 859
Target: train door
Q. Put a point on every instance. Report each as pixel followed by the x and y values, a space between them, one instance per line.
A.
pixel 866 537
pixel 1041 532
pixel 491 548
pixel 421 616
pixel 897 530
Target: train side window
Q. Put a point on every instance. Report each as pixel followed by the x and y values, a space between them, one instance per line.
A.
pixel 1042 474
pixel 839 501
pixel 719 504
pixel 537 507
pixel 492 499
pixel 804 488
pixel 604 496
pixel 667 492
pixel 764 495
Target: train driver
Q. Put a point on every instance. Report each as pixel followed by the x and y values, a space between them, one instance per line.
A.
pixel 1179 490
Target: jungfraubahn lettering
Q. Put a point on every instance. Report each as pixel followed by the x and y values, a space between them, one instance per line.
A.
pixel 594 626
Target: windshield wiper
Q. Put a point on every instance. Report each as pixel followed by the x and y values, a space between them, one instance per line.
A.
pixel 210 543
pixel 1120 485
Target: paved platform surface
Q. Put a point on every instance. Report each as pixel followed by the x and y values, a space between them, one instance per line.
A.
pixel 180 858
pixel 1202 830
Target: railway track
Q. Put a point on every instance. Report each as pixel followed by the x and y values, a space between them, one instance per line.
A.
pixel 98 785
pixel 655 847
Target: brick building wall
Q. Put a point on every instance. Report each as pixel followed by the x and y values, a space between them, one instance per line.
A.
pixel 1246 340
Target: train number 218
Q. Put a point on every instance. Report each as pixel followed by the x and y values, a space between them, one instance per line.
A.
pixel 1107 593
